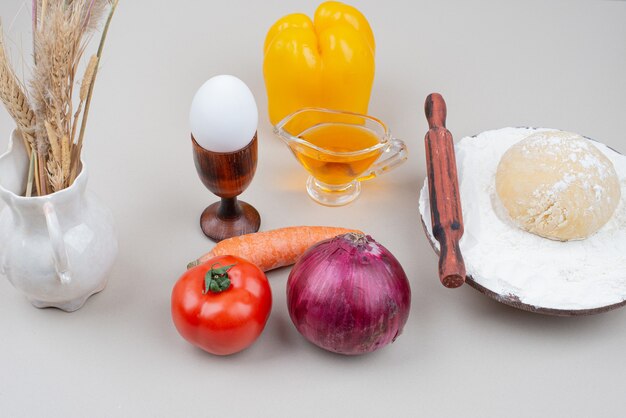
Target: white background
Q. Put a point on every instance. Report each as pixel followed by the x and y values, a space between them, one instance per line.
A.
pixel 548 64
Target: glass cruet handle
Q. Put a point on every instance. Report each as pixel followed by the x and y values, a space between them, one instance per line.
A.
pixel 394 155
pixel 59 252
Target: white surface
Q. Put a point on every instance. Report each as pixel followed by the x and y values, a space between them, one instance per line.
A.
pixel 574 275
pixel 223 115
pixel 496 63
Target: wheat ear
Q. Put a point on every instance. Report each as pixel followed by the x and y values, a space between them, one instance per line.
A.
pixel 16 102
pixel 90 73
pixel 81 135
pixel 14 98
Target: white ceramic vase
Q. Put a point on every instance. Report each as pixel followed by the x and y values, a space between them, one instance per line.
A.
pixel 56 249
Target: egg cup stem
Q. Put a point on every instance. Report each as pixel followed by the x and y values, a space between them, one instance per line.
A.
pixel 229 208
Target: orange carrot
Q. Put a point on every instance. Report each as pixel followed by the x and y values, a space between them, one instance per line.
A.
pixel 273 249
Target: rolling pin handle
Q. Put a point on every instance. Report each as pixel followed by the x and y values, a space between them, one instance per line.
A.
pixel 451 266
pixel 435 109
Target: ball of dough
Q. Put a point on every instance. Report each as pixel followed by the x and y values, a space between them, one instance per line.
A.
pixel 557 185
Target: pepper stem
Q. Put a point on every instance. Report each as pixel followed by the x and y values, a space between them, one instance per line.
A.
pixel 216 280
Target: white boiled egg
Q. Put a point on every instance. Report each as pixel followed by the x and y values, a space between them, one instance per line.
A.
pixel 224 115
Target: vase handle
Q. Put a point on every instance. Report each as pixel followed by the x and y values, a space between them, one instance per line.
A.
pixel 59 252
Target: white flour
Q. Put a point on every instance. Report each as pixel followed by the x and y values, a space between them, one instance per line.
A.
pixel 584 274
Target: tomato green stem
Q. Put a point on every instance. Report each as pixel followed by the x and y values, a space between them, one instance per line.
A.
pixel 216 280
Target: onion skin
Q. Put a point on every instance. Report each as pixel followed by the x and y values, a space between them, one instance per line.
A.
pixel 349 295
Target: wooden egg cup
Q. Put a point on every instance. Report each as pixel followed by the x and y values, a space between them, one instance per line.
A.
pixel 227 175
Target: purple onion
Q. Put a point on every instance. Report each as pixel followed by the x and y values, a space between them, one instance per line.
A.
pixel 349 295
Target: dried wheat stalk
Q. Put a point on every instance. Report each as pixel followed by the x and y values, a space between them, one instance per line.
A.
pixel 57 48
pixel 83 124
pixel 92 14
pixel 61 37
pixel 88 79
pixel 14 98
pixel 50 127
pixel 16 102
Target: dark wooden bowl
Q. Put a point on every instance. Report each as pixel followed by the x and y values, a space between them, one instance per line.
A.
pixel 227 175
pixel 513 300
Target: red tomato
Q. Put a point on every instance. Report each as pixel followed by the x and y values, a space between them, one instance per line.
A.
pixel 226 322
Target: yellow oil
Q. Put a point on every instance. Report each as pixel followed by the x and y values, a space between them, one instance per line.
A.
pixel 332 169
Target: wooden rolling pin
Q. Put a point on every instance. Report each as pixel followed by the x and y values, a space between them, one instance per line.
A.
pixel 443 189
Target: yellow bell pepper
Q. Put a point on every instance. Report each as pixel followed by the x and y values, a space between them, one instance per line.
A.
pixel 328 62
